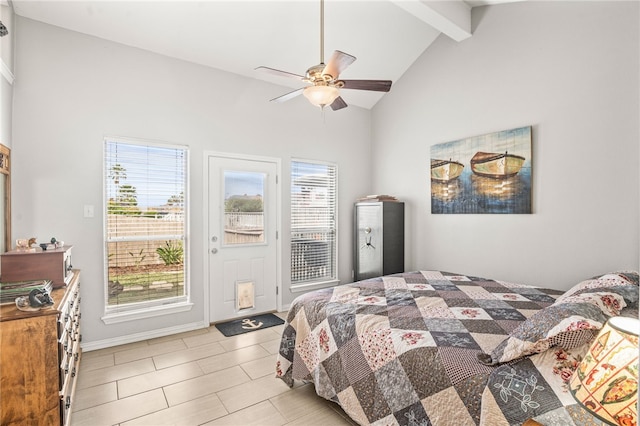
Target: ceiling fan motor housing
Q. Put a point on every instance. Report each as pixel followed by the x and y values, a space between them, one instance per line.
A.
pixel 316 77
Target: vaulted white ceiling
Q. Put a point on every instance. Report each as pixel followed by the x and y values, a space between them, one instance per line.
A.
pixel 386 36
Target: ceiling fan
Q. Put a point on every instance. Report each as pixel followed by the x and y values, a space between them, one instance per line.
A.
pixel 324 79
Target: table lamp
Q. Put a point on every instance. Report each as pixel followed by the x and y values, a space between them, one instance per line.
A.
pixel 606 381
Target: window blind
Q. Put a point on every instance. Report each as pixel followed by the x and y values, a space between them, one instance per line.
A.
pixel 313 221
pixel 145 225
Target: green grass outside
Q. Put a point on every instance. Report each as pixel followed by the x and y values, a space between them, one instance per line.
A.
pixel 144 280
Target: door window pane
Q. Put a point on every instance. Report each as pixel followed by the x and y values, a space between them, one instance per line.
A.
pixel 243 207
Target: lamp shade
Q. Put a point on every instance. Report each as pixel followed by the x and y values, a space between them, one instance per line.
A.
pixel 321 96
pixel 606 381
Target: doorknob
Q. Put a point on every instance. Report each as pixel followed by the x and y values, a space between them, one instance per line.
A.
pixel 214 238
pixel 214 250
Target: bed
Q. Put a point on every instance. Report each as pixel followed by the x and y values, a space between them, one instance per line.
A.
pixel 432 347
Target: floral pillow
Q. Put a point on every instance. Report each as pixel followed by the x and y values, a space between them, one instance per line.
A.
pixel 573 320
pixel 617 282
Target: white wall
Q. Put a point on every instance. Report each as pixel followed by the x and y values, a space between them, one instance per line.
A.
pixel 71 90
pixel 570 70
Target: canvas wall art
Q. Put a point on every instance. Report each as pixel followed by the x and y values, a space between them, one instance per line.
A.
pixel 483 174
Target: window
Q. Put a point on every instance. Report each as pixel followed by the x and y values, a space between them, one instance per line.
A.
pixel 313 222
pixel 243 207
pixel 145 187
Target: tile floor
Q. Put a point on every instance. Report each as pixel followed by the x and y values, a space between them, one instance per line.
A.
pixel 196 378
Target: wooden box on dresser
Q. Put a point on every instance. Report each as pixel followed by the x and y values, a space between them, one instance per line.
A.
pixel 39 359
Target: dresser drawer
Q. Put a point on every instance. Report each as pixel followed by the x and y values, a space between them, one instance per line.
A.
pixel 70 351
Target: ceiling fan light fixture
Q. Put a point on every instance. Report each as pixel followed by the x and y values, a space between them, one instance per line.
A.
pixel 321 96
pixel 324 79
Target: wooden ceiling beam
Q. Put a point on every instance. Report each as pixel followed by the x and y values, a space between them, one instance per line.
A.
pixel 452 18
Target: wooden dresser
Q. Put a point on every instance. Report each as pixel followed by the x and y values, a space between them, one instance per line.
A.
pixel 39 359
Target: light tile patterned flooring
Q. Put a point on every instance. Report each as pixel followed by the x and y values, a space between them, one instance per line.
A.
pixel 196 378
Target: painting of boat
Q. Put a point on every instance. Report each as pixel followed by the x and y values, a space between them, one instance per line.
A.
pixel 487 173
pixel 496 165
pixel 445 170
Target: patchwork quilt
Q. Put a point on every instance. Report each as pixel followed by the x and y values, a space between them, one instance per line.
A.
pixel 428 347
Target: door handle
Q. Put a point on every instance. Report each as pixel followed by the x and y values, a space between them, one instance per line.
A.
pixel 214 250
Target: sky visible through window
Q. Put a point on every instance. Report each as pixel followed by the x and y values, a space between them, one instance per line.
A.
pixel 304 170
pixel 156 172
pixel 243 183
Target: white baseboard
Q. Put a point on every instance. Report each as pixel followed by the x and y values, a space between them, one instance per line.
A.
pixel 286 307
pixel 132 338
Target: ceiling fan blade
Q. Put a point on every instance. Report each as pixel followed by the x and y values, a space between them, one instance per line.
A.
pixel 375 85
pixel 288 96
pixel 338 103
pixel 338 62
pixel 279 73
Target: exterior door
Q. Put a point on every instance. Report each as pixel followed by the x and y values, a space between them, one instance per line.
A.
pixel 242 221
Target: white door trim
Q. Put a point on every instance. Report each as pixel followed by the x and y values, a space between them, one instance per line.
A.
pixel 207 232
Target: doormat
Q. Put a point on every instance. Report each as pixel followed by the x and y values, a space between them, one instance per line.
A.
pixel 245 325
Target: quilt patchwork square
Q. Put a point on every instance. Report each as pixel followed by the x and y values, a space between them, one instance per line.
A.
pixel 429 382
pixel 522 391
pixel 413 277
pixel 457 277
pixel 446 407
pixel 444 325
pixel 475 292
pixel 457 340
pixel 343 327
pixel 394 281
pixel 493 303
pixel 399 297
pixel 470 313
pixel 377 348
pixel 332 368
pixel 419 286
pixel 443 286
pixel 510 314
pixel 354 364
pixel 395 386
pixel 461 363
pixel 405 340
pixel 483 326
pixel 414 322
pixel 412 415
pixel 372 402
pixel 372 299
pixel 432 275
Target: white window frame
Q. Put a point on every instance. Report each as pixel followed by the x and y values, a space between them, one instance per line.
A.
pixel 152 308
pixel 312 284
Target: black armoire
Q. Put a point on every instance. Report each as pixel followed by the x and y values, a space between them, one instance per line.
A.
pixel 379 239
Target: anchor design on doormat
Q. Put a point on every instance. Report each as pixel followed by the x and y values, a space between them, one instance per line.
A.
pixel 249 324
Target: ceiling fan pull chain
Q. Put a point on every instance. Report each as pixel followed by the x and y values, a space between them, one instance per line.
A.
pixel 322 31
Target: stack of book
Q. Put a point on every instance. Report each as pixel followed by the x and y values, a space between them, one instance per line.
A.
pixel 378 198
pixel 10 291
